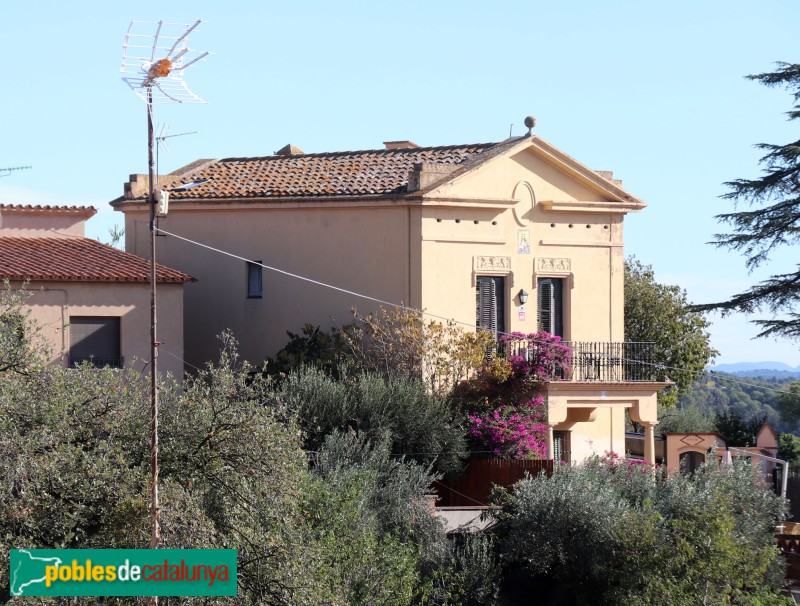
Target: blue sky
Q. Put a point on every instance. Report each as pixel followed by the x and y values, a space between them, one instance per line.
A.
pixel 653 91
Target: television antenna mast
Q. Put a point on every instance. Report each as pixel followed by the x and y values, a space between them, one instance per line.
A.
pixel 155 55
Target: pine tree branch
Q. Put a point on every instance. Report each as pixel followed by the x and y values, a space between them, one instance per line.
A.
pixel 778 292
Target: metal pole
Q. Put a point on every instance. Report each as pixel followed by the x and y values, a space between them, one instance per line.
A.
pixel 766 458
pixel 155 509
pixel 785 478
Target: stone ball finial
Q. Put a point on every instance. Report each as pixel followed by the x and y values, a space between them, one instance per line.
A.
pixel 530 122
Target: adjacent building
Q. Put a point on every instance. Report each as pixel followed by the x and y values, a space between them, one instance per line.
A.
pixel 90 301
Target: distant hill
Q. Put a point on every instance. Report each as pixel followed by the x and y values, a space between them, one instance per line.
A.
pixel 741 394
pixel 751 367
pixel 763 373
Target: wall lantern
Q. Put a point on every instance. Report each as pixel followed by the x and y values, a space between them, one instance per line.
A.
pixel 523 297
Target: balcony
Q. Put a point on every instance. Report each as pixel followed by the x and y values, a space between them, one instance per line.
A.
pixel 597 361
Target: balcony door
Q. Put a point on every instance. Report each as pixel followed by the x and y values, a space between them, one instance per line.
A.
pixel 490 304
pixel 550 305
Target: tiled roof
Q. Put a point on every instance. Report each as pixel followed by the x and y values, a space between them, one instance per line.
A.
pixel 76 259
pixel 81 210
pixel 354 173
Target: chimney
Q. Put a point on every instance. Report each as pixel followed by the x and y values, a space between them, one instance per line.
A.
pixel 400 145
pixel 426 174
pixel 289 150
pixel 608 175
pixel 138 185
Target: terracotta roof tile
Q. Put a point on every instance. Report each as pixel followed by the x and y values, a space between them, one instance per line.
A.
pixel 76 259
pixel 82 210
pixel 354 173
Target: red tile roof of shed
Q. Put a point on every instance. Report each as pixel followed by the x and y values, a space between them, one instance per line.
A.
pixel 76 259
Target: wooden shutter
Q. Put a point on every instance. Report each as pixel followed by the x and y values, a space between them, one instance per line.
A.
pixel 550 305
pixel 490 304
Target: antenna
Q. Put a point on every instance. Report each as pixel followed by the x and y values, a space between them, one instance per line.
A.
pixel 161 143
pixel 4 172
pixel 162 136
pixel 155 55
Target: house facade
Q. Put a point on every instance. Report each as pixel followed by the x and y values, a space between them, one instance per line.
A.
pixel 90 301
pixel 513 236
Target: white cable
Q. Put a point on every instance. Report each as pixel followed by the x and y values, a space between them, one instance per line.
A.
pixel 436 316
pixel 324 284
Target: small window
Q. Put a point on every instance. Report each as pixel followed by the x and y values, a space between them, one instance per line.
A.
pixel 12 339
pixel 255 289
pixel 12 329
pixel 561 447
pixel 94 339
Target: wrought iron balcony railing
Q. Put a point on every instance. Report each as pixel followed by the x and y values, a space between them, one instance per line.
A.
pixel 97 362
pixel 597 361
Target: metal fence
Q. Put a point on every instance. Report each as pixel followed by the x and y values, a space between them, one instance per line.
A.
pixel 600 361
pixel 611 362
pixel 472 489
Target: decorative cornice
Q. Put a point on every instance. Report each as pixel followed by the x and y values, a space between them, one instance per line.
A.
pixel 492 265
pixel 598 206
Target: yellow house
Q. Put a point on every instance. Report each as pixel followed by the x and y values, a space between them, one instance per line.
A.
pixel 509 236
pixel 90 301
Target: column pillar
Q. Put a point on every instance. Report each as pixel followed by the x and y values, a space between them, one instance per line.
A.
pixel 550 442
pixel 649 443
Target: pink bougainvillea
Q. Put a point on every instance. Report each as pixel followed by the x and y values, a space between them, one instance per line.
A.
pixel 516 432
pixel 616 464
pixel 504 400
pixel 538 356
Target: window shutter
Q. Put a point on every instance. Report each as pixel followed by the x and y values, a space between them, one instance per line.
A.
pixel 490 304
pixel 558 446
pixel 545 305
pixel 551 314
pixel 94 338
pixel 255 285
pixel 558 315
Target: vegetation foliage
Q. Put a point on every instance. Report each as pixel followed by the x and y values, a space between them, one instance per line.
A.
pixel 660 314
pixel 392 342
pixel 74 457
pixel 307 479
pixel 772 221
pixel 504 398
pixel 606 533
pixel 399 410
pixel 726 394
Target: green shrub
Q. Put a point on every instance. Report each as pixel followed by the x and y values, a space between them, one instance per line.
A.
pixel 471 575
pixel 390 343
pixel 419 425
pixel 313 347
pixel 611 533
